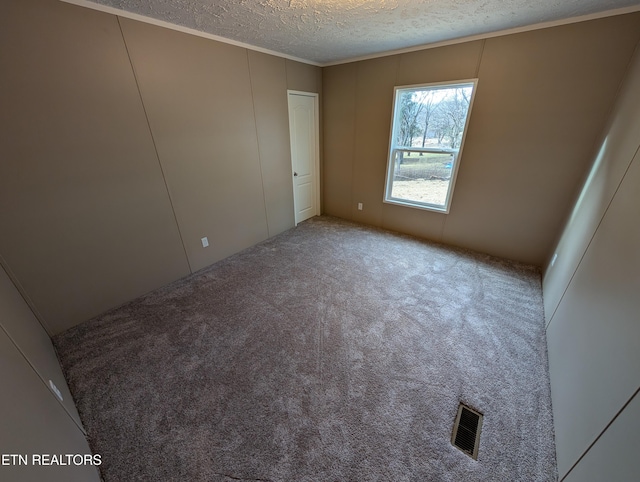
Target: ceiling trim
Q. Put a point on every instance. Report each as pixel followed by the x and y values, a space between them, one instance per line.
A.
pixel 471 38
pixel 499 33
pixel 180 28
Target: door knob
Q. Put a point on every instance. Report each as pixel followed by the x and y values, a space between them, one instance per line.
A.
pixel 295 173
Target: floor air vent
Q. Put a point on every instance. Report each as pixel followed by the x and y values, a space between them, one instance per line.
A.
pixel 466 431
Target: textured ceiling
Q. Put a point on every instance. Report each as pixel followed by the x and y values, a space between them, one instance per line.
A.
pixel 325 31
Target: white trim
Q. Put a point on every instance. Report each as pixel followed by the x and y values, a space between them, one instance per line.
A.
pixel 387 198
pixel 300 92
pixel 316 167
pixel 433 150
pixel 432 85
pixel 444 43
pixel 198 33
pixel 497 33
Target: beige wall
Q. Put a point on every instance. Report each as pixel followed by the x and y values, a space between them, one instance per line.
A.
pixel 338 128
pixel 592 305
pixel 86 221
pixel 303 77
pixel 24 329
pixel 541 100
pixel 123 144
pixel 198 99
pixel 272 128
pixel 33 420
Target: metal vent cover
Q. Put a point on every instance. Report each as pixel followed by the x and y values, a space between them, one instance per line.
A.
pixel 466 431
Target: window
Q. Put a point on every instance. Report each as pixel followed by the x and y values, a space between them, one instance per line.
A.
pixel 427 134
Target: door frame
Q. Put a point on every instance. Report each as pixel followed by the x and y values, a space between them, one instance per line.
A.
pixel 316 166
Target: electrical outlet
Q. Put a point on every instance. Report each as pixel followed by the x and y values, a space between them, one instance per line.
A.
pixel 205 242
pixel 359 206
pixel 55 390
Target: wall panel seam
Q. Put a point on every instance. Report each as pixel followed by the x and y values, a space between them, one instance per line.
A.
pixel 601 434
pixel 25 296
pixel 482 45
pixel 595 231
pixel 255 125
pixel 26 359
pixel 155 147
pixel 286 76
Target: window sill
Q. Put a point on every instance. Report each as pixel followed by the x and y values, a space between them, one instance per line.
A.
pixel 417 205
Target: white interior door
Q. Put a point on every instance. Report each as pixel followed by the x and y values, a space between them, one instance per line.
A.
pixel 303 129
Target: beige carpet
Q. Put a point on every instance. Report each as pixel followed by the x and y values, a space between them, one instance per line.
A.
pixel 332 352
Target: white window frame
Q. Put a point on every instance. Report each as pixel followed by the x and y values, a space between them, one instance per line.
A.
pixel 456 153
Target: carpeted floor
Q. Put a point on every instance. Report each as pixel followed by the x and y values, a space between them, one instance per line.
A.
pixel 332 352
